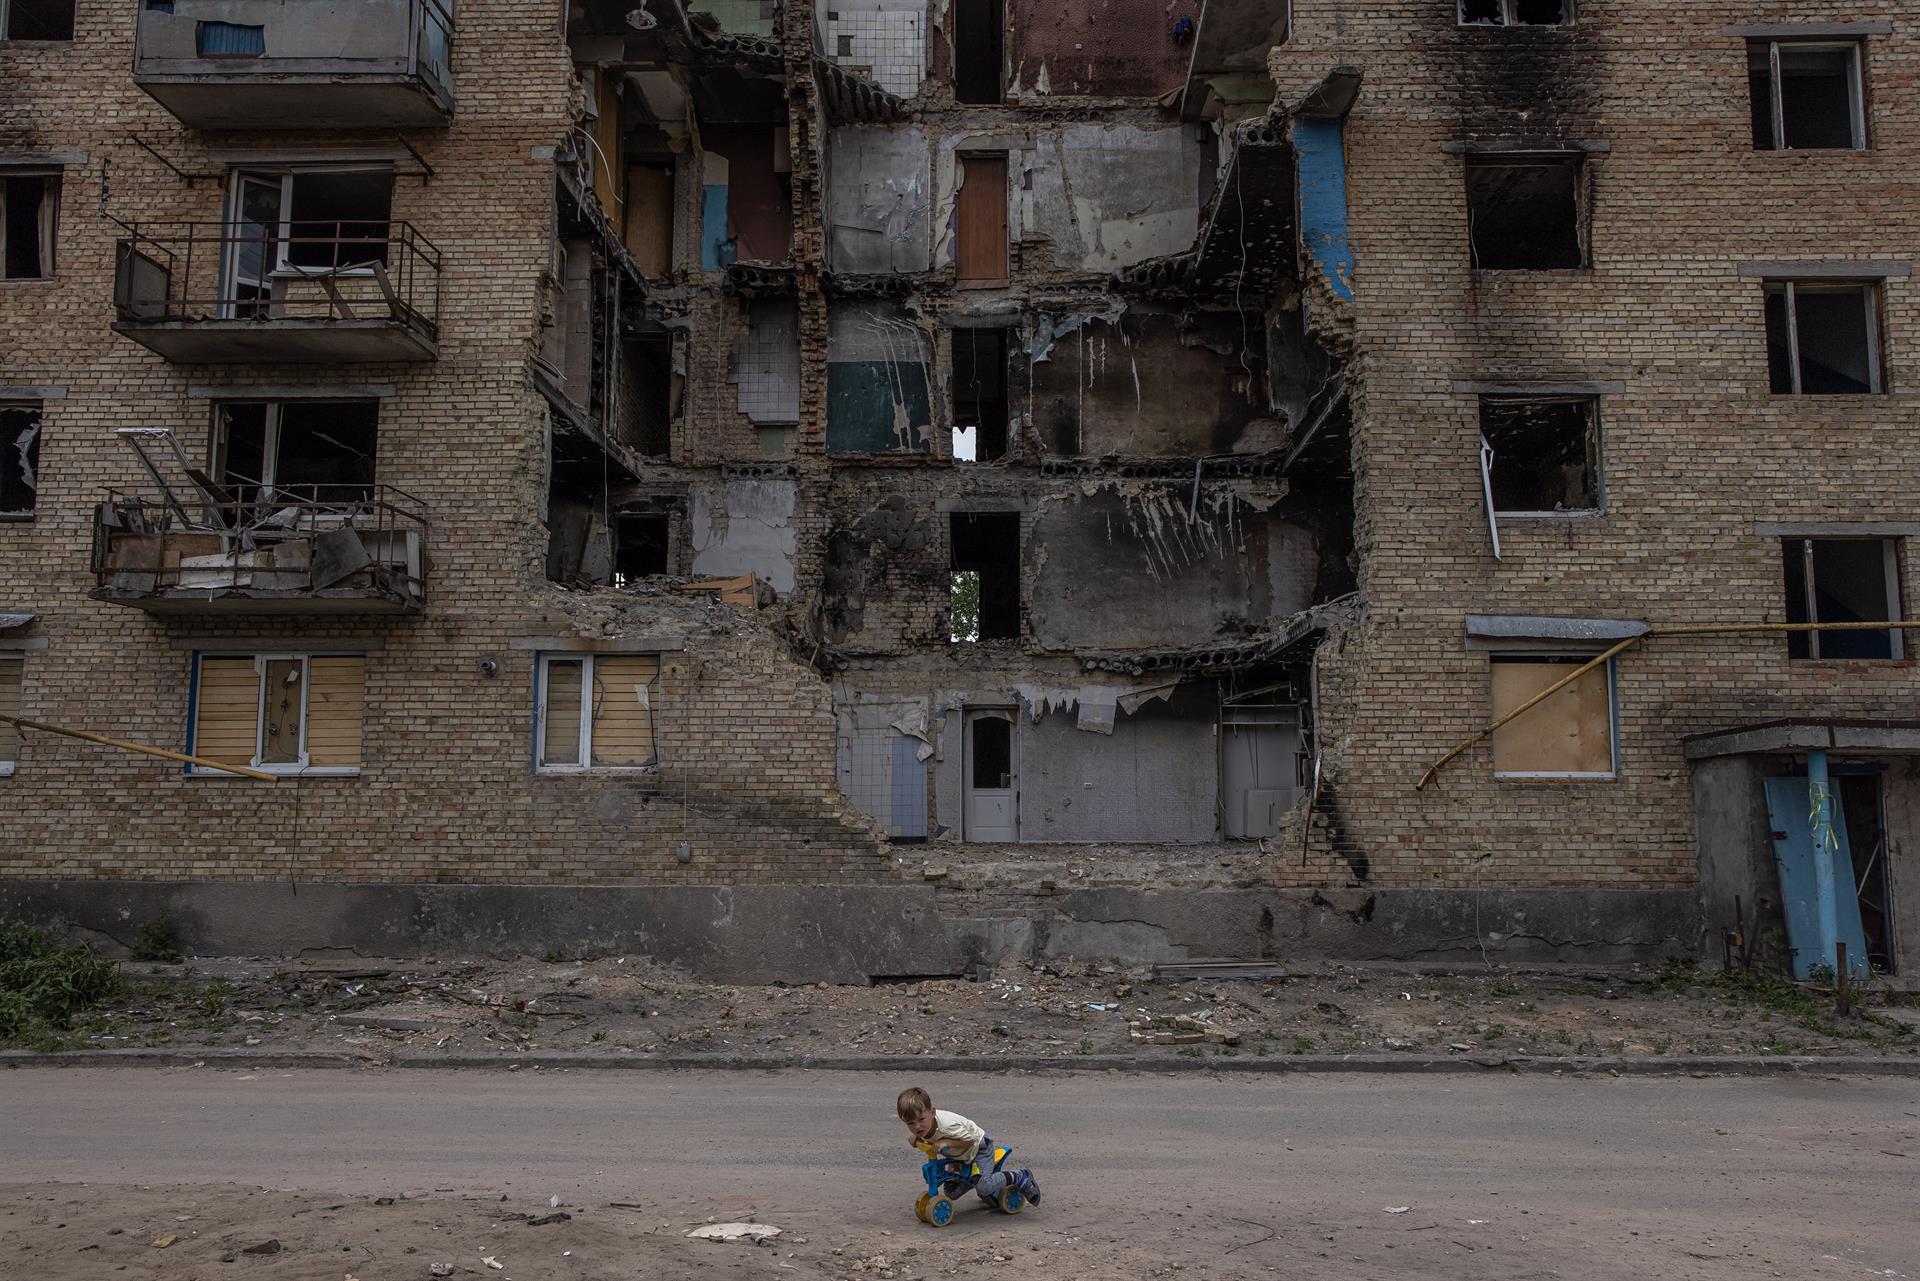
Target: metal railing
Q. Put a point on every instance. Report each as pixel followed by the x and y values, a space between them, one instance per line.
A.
pixel 306 270
pixel 289 538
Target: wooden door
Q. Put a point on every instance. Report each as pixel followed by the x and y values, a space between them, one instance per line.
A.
pixel 650 218
pixel 980 221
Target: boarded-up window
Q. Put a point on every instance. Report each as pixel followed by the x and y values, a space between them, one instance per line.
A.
pixel 1570 735
pixel 980 221
pixel 280 712
pixel 598 709
pixel 10 668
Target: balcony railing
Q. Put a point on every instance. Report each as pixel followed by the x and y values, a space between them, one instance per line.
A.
pixel 267 64
pixel 304 291
pixel 310 549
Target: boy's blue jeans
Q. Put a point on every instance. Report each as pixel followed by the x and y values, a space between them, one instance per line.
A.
pixel 991 1183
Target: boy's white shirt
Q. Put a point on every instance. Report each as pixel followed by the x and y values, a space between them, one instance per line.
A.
pixel 951 1125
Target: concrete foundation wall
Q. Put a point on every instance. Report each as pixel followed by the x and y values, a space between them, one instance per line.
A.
pixel 796 933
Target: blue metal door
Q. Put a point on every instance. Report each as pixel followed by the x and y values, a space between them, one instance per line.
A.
pixel 1790 810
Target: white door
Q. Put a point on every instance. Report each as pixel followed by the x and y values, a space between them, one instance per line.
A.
pixel 253 247
pixel 990 786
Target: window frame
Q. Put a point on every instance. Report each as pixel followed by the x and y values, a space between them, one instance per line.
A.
pixel 1856 51
pixel 56 178
pixel 9 654
pixel 585 765
pixel 6 23
pixel 1896 607
pixel 39 409
pixel 261 658
pixel 1548 654
pixel 1507 9
pixel 1596 456
pixel 282 267
pixel 1871 291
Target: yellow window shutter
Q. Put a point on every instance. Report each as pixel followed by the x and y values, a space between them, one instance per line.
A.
pixel 227 710
pixel 623 690
pixel 336 705
pixel 9 706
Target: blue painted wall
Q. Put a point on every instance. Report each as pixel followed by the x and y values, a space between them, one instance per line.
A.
pixel 716 250
pixel 1322 192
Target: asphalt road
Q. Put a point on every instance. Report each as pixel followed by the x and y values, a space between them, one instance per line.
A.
pixel 1501 1177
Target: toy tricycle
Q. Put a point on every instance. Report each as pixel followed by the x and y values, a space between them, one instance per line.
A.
pixel 950 1178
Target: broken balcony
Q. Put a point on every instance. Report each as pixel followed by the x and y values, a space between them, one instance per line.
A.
pixel 266 64
pixel 309 550
pixel 307 292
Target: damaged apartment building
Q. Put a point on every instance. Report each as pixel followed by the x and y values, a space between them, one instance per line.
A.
pixel 823 489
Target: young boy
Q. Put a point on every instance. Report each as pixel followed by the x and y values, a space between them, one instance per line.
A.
pixel 949 1134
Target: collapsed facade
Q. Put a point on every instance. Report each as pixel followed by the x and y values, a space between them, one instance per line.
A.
pixel 878 489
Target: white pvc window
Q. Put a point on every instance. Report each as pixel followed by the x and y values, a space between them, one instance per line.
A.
pixel 595 712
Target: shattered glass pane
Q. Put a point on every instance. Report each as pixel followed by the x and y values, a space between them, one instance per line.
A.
pixel 1544 453
pixel 1487 13
pixel 19 460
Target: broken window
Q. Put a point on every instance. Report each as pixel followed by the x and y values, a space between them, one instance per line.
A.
pixel 1569 735
pixel 595 711
pixel 29 216
pixel 977 54
pixel 980 220
pixel 640 545
pixel 979 394
pixel 11 666
pixel 985 587
pixel 1823 339
pixel 1542 453
pixel 1527 212
pixel 1516 13
pixel 1806 96
pixel 287 713
pixel 36 19
pixel 304 451
pixel 1843 580
pixel 304 222
pixel 19 460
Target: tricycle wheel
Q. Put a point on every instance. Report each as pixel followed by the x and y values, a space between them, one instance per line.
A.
pixel 939 1211
pixel 1011 1202
pixel 920 1206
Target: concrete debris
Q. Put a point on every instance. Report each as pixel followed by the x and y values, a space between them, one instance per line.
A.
pixel 755 1232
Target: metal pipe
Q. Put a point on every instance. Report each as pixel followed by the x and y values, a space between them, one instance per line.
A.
pixel 22 722
pixel 1820 826
pixel 1681 629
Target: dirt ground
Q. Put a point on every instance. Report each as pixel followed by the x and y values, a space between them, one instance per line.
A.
pixel 623 1006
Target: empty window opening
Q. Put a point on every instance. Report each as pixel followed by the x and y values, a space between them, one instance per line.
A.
pixel 1823 339
pixel 985 584
pixel 287 713
pixel 1843 580
pixel 1526 213
pixel 649 400
pixel 29 213
pixel 1543 453
pixel 229 40
pixel 19 461
pixel 595 711
pixel 977 50
pixel 979 394
pixel 36 19
pixel 980 220
pixel 640 546
pixel 1260 758
pixel 649 217
pixel 1806 96
pixel 1516 13
pixel 296 451
pixel 1570 735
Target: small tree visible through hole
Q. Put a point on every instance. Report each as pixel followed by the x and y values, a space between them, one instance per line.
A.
pixel 963 607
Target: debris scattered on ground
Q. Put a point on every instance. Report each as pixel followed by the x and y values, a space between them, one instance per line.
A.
pixel 734 1232
pixel 628 1006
